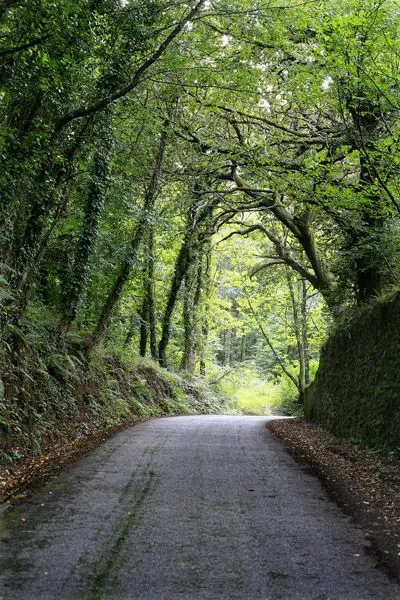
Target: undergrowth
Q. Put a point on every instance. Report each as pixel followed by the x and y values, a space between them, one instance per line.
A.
pixel 249 392
pixel 47 397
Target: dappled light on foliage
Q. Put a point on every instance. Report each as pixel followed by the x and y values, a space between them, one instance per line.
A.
pixel 209 185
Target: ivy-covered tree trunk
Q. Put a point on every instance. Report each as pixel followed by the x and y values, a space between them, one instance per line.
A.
pixel 191 301
pixel 149 291
pixel 131 251
pixel 144 331
pixel 132 327
pixel 204 331
pixel 197 232
pixel 147 312
pixel 14 156
pixel 304 331
pixel 204 335
pixel 366 235
pixel 182 263
pixel 369 277
pixel 78 277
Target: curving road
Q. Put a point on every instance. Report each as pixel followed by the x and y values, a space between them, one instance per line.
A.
pixel 203 507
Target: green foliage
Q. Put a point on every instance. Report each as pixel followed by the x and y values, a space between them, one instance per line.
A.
pixel 356 388
pixel 288 401
pixel 272 210
pixel 245 390
pixel 74 400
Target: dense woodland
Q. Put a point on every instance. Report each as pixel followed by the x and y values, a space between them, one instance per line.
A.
pixel 209 184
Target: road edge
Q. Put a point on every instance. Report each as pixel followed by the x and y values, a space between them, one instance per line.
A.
pixel 336 463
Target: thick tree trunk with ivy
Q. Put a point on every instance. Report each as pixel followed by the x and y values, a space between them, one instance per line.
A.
pixel 131 251
pixel 78 277
pixel 197 233
pixel 189 324
pixel 147 311
pixel 368 263
pixel 304 331
pixel 204 337
pixel 191 302
pixel 149 291
pixel 144 330
pixel 182 263
pixel 366 235
pixel 134 323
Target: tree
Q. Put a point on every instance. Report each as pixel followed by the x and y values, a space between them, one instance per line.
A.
pixel 204 182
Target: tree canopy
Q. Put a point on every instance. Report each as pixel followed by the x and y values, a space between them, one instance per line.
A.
pixel 206 182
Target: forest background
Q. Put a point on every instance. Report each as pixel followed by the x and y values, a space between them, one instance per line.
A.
pixel 207 186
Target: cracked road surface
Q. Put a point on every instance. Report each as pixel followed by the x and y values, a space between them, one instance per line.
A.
pixel 202 507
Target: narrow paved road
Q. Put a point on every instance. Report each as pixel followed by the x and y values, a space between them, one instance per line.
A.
pixel 187 508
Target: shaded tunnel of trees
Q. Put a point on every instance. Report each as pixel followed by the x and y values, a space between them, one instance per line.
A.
pixel 204 183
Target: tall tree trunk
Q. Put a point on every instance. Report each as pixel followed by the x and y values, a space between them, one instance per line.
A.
pixel 131 251
pixel 307 240
pixel 14 156
pixel 196 235
pixel 144 331
pixel 133 323
pixel 205 317
pixel 227 347
pixel 368 264
pixel 304 331
pixel 298 333
pixel 78 277
pixel 191 301
pixel 243 348
pixel 147 313
pixel 182 264
pixel 368 276
pixel 149 289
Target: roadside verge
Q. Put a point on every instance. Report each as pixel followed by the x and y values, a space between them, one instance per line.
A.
pixel 366 486
pixel 18 479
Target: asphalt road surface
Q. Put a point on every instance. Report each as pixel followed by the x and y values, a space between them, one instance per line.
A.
pixel 203 507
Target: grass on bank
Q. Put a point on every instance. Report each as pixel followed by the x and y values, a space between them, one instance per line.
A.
pixel 50 398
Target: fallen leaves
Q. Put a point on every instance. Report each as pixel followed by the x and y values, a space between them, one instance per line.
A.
pixel 18 478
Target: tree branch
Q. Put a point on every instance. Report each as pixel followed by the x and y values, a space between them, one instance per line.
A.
pixel 136 79
pixel 34 42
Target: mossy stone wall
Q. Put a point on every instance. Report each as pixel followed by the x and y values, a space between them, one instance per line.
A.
pixel 356 393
